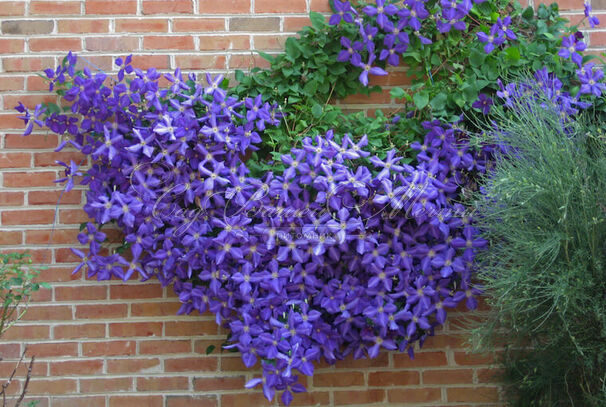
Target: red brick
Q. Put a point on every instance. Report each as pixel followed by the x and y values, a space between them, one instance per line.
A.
pixel 135 291
pixel 27 64
pixel 11 83
pixel 162 383
pixel 152 61
pixel 82 26
pixel 447 376
pixel 168 42
pixel 76 367
pixel 130 365
pixel 55 44
pixel 79 331
pixel 101 311
pixel 52 198
pixel 211 384
pixel 247 399
pixel 201 364
pixel 136 401
pixel 39 369
pixel 224 43
pixel 13 8
pixel 160 347
pixel 37 83
pixel 73 216
pixel 29 179
pixel 38 256
pixel 59 274
pixel 10 237
pixel 48 313
pixel 81 293
pixel 489 375
pixel 11 198
pixel 269 42
pixel 111 44
pixel 247 61
pixel 46 387
pixel 393 378
pixel 12 46
pixel 110 6
pixel 315 398
pixel 190 328
pixel 37 332
pixel 128 329
pixel 198 24
pixel 15 160
pixel 374 98
pixel 200 61
pixel 422 359
pixel 395 78
pixel 223 7
pixel 142 25
pixel 48 159
pixel 112 348
pixel 424 395
pixel 106 384
pixel 10 101
pixel 167 7
pixel 473 394
pixel 65 255
pixel 10 121
pixel 321 6
pixel 293 24
pixel 78 401
pixel 54 7
pixel 468 359
pixel 49 350
pixel 272 6
pixel 335 379
pixel 10 350
pixel 155 309
pixel 189 401
pixel 33 141
pixel 359 397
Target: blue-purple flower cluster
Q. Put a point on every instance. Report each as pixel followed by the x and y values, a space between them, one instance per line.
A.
pixel 342 253
pixel 400 22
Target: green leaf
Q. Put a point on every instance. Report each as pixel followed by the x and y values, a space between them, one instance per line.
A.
pixel 292 50
pixel 316 110
pixel 477 57
pixel 266 56
pixel 421 99
pixel 397 93
pixel 210 349
pixel 317 20
pixel 439 101
pixel 311 87
pixel 528 13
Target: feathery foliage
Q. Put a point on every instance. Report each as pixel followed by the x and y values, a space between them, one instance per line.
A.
pixel 543 209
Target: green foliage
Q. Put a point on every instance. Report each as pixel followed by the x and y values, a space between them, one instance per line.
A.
pixel 16 287
pixel 303 81
pixel 544 212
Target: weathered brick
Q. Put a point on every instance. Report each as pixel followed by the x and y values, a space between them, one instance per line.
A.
pixel 11 45
pixel 131 365
pixel 254 24
pixel 76 367
pixel 129 329
pixel 27 27
pixel 200 61
pixel 55 44
pixel 111 44
pixel 110 348
pixel 79 331
pixel 224 43
pixel 136 401
pixel 106 384
pixel 360 397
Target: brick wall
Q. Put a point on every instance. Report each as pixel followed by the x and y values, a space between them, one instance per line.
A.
pixel 114 344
